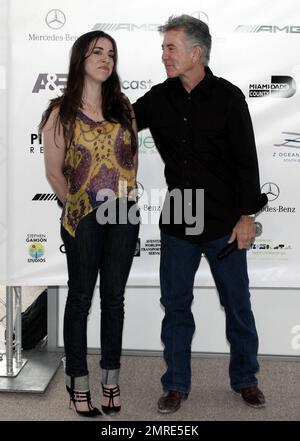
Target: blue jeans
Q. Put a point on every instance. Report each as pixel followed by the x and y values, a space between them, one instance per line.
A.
pixel 180 260
pixel 110 250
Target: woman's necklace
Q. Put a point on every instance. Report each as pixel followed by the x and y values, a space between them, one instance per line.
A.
pixel 95 110
pixel 92 110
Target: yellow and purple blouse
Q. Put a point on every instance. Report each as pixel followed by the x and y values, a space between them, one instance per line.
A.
pixel 99 157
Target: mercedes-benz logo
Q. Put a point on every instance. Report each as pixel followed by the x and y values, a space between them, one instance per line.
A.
pixel 272 190
pixel 55 19
pixel 201 16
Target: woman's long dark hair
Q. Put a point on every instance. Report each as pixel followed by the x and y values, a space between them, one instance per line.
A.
pixel 115 106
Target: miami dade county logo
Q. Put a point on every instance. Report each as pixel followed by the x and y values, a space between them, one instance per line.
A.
pixel 36 249
pixel 281 86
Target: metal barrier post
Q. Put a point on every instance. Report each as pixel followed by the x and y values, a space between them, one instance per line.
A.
pixel 13 355
pixel 40 365
pixel 9 330
pixel 18 327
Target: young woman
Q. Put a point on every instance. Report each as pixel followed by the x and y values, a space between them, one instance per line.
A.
pixel 91 150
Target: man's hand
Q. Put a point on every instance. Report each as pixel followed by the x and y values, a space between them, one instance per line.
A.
pixel 244 232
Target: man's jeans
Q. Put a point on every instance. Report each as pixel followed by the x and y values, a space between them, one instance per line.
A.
pixel 110 249
pixel 180 260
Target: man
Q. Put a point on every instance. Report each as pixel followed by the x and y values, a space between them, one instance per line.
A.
pixel 202 128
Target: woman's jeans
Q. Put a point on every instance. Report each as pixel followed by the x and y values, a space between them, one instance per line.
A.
pixel 109 249
pixel 180 260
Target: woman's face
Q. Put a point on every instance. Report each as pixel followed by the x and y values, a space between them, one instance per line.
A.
pixel 100 60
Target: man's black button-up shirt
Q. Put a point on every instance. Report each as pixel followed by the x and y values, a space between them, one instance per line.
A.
pixel 206 141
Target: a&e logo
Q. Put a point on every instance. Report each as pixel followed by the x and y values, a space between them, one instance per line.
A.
pixel 51 82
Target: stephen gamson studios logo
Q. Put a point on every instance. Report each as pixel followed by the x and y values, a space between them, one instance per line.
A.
pixel 36 248
pixel 281 86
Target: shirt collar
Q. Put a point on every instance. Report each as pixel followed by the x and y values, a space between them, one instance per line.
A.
pixel 203 87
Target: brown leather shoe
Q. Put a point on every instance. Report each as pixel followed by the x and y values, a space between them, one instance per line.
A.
pixel 170 401
pixel 252 396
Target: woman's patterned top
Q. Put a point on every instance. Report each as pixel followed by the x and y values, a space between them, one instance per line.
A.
pixel 99 157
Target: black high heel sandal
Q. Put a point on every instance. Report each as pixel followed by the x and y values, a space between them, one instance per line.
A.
pixel 111 393
pixel 80 397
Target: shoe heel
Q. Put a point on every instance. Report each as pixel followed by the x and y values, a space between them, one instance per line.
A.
pixel 80 397
pixel 111 393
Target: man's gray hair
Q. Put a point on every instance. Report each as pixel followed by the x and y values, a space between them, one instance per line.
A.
pixel 197 33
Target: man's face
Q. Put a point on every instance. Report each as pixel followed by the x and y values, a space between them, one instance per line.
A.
pixel 177 55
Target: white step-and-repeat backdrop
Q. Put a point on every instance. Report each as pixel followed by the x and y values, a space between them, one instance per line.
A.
pixel 255 45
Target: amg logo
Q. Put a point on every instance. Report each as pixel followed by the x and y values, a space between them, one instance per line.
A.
pixel 45 197
pixel 273 29
pixel 108 27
